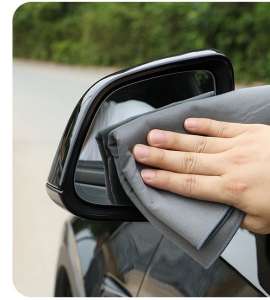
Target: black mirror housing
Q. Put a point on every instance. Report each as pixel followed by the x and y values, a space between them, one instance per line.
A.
pixel 60 185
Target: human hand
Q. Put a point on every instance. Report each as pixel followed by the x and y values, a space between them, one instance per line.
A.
pixel 224 162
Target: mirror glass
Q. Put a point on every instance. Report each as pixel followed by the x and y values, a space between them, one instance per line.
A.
pixel 128 101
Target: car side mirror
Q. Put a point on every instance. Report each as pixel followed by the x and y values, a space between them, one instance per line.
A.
pixel 76 180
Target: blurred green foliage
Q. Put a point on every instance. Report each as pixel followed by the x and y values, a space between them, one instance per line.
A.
pixel 131 33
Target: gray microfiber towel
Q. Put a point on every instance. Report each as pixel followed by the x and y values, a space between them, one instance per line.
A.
pixel 202 229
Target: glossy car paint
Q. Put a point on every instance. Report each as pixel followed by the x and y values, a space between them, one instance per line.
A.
pixel 111 258
pixel 133 259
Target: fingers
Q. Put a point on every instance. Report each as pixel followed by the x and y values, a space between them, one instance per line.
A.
pixel 187 142
pixel 215 128
pixel 188 185
pixel 255 224
pixel 180 162
pixel 209 188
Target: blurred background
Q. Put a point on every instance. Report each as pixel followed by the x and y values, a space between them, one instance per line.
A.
pixel 60 49
pixel 129 33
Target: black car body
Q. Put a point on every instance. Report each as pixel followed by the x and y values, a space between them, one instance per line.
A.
pixel 133 259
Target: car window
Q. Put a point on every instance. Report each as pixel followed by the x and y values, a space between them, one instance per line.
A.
pixel 173 273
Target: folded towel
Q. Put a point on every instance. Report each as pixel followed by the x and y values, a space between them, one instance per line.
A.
pixel 202 229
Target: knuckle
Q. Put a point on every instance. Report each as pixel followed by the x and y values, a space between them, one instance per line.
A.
pixel 235 190
pixel 190 184
pixel 201 145
pixel 208 124
pixel 161 156
pixel 221 127
pixel 247 140
pixel 189 162
pixel 239 159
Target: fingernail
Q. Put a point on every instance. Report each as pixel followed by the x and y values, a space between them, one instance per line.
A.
pixel 191 123
pixel 141 151
pixel 157 137
pixel 148 174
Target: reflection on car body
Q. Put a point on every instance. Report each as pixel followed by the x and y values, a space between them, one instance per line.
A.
pixel 134 259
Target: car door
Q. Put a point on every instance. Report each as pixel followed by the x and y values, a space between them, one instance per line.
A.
pixel 173 273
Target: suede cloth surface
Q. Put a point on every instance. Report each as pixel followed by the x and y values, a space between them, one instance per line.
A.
pixel 202 229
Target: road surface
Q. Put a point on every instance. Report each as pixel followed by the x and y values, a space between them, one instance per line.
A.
pixel 44 97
